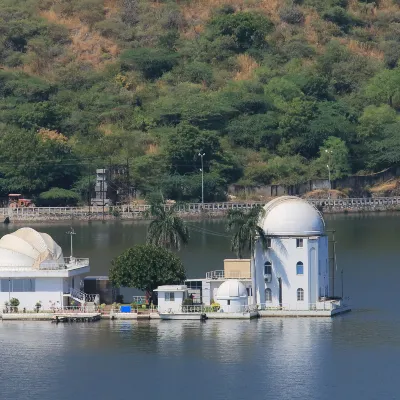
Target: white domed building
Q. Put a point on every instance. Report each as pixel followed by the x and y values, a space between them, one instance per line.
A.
pixel 232 296
pixel 33 269
pixel 293 272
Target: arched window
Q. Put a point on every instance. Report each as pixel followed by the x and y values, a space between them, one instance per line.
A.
pixel 300 294
pixel 299 268
pixel 268 295
pixel 267 268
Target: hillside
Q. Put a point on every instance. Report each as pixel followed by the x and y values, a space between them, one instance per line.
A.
pixel 271 91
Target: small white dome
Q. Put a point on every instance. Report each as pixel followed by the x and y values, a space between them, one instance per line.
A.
pixel 231 289
pixel 27 248
pixel 292 216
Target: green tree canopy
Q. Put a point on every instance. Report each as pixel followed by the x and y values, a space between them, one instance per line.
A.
pixel 146 267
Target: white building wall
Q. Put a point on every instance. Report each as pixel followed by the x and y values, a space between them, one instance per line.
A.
pixel 284 256
pixel 47 290
pixel 235 305
pixel 170 306
pixel 323 272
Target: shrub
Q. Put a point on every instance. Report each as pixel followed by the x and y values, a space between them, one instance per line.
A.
pixel 291 15
pixel 58 197
pixel 14 303
pixel 152 63
pixel 198 72
pixel 298 49
pixel 341 17
pixel 246 28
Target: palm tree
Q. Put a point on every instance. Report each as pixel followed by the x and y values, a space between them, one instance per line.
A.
pixel 167 229
pixel 246 233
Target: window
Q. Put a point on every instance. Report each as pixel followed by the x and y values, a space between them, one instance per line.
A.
pixel 229 302
pixel 169 296
pixel 300 294
pixel 268 295
pixel 17 285
pixel 299 242
pixel 267 268
pixel 269 243
pixel 299 268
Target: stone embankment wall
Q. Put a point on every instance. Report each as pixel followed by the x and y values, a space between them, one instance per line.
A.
pixel 357 183
pixel 188 211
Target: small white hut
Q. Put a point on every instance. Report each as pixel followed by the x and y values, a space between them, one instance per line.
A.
pixel 232 296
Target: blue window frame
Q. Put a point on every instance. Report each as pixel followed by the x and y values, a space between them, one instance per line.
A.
pixel 299 268
pixel 267 268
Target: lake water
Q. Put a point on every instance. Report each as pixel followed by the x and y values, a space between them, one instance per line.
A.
pixel 354 356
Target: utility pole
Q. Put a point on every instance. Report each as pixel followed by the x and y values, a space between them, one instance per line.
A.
pixel 201 155
pixel 329 152
pixel 71 233
pixel 342 284
pixel 89 193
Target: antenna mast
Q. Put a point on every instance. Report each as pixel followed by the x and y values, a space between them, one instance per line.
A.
pixel 71 232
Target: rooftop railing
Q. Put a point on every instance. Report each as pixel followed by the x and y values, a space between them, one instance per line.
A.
pixel 69 263
pixel 220 274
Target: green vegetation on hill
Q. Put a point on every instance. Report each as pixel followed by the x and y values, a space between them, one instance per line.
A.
pixel 262 87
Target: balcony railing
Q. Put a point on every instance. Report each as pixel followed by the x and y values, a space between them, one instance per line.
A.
pixel 69 263
pixel 220 274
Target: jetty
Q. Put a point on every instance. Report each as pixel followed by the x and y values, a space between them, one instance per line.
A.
pixel 76 317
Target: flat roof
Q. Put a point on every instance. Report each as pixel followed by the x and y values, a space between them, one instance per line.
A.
pixel 97 278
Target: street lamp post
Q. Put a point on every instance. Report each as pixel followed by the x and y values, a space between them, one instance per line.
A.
pixel 71 233
pixel 329 152
pixel 201 155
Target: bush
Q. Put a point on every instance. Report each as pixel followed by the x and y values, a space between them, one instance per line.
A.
pixel 198 72
pixel 246 28
pixel 152 63
pixel 340 16
pixel 58 197
pixel 291 15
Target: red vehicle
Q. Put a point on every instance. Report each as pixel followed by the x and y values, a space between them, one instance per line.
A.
pixel 16 201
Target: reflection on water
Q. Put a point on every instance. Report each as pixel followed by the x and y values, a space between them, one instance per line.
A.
pixel 354 356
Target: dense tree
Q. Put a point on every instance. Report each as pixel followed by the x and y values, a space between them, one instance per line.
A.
pixel 146 267
pixel 145 86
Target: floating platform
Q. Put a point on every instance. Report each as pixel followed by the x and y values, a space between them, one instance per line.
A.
pixel 304 313
pixel 205 316
pixel 76 317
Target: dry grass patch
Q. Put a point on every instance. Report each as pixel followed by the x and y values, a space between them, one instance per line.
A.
pixel 153 148
pixel 383 187
pixel 86 45
pixel 246 67
pixel 366 49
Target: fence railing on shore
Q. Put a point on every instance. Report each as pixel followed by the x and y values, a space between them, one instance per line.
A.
pixel 127 211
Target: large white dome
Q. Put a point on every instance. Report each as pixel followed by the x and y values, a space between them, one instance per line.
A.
pixel 27 248
pixel 232 288
pixel 292 216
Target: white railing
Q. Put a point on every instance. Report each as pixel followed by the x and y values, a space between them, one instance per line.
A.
pixel 129 210
pixel 202 309
pixel 190 208
pixel 220 274
pixel 67 264
pixel 139 299
pixel 117 309
pixel 81 296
